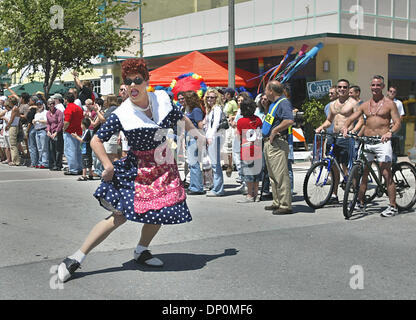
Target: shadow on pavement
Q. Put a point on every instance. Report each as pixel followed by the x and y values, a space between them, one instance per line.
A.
pixel 172 261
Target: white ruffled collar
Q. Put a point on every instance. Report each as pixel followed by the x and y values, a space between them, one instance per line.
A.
pixel 131 117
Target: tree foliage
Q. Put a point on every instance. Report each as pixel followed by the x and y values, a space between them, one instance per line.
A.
pixel 64 37
pixel 314 113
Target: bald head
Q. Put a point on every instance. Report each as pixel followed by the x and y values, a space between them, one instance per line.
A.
pixel 274 89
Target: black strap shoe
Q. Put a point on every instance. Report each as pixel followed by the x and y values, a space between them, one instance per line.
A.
pixel 67 268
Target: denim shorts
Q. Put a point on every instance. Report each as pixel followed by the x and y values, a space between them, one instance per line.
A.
pixel 251 170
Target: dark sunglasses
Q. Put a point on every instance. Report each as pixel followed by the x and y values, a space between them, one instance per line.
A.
pixel 342 87
pixel 137 81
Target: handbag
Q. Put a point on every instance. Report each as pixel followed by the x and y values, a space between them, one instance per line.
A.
pixel 223 122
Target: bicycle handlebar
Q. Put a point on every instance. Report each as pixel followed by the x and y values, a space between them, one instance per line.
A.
pixel 367 140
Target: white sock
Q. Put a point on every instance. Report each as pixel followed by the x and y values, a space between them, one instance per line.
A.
pixel 140 249
pixel 79 256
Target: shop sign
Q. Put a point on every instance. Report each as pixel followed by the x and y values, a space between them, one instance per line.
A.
pixel 318 89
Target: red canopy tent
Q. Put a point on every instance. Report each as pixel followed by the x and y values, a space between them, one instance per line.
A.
pixel 213 72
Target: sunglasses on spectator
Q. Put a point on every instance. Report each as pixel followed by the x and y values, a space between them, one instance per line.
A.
pixel 342 87
pixel 137 81
pixel 211 97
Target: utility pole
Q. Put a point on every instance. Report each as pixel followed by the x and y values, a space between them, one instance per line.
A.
pixel 141 29
pixel 231 45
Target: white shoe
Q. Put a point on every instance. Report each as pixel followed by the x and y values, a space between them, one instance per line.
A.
pixel 67 268
pixel 390 211
pixel 146 258
pixel 360 207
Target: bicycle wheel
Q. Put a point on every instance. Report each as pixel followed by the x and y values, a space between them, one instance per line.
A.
pixel 372 186
pixel 404 176
pixel 351 191
pixel 318 185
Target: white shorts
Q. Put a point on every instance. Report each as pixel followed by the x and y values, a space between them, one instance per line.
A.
pixel 383 152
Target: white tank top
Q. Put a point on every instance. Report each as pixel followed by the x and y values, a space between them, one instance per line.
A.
pixel 15 122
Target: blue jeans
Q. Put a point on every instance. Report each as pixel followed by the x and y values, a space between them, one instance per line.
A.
pixel 33 149
pixel 98 166
pixel 72 150
pixel 196 182
pixel 214 153
pixel 42 142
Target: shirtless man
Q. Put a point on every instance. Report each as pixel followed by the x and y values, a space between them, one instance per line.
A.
pixel 339 111
pixel 379 112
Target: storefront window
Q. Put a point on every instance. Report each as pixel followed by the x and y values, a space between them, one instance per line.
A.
pixel 151 11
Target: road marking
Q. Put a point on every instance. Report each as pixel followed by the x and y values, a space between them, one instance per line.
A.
pixel 34 180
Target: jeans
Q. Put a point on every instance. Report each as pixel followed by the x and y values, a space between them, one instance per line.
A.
pixel 56 151
pixel 42 142
pixel 214 153
pixel 98 166
pixel 72 150
pixel 33 149
pixel 196 182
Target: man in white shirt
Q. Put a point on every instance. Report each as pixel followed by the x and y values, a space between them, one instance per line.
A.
pixel 392 93
pixel 395 140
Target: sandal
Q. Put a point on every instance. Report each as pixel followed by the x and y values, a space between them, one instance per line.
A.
pixel 90 177
pixel 82 178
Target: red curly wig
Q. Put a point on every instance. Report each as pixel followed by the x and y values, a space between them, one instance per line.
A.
pixel 134 66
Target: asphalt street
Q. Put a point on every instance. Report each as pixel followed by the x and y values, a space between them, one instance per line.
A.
pixel 229 250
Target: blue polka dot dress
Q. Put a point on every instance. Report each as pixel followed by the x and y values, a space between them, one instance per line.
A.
pixel 146 186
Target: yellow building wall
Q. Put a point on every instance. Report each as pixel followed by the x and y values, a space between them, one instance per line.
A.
pixel 338 56
pixel 327 53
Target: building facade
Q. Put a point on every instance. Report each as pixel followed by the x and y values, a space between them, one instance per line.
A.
pixel 361 38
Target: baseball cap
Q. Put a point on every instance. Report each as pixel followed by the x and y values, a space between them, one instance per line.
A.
pixel 57 96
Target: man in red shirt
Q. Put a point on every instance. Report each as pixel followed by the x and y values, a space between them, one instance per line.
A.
pixel 72 124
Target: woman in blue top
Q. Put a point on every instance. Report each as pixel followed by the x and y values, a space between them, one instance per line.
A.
pixel 196 115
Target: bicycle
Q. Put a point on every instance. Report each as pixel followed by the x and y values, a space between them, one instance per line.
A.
pixel 319 182
pixel 404 177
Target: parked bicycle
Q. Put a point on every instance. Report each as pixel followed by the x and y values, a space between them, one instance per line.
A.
pixel 319 182
pixel 404 178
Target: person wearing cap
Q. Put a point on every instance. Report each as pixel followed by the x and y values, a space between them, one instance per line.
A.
pixel 42 141
pixel 59 102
